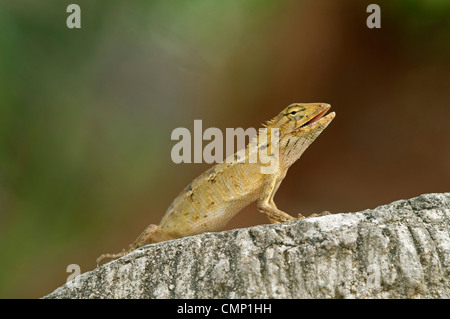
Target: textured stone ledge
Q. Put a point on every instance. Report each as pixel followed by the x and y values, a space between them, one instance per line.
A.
pixel 400 250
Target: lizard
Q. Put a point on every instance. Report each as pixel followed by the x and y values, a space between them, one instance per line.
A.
pixel 214 197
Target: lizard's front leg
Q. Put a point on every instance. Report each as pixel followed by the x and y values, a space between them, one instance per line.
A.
pixel 266 204
pixel 153 234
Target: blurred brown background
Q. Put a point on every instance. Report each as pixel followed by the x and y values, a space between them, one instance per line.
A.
pixel 86 115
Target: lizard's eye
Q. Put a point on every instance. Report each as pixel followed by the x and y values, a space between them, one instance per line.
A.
pixel 295 112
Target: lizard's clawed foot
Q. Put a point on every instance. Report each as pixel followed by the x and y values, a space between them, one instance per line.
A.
pixel 111 256
pixel 324 213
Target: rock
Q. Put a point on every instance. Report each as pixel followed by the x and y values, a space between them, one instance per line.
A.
pixel 400 250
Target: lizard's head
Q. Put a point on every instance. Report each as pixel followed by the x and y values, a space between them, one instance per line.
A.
pixel 302 119
pixel 299 125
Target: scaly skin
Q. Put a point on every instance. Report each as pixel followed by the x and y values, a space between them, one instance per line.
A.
pixel 214 197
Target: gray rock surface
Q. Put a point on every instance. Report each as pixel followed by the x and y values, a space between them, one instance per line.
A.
pixel 400 250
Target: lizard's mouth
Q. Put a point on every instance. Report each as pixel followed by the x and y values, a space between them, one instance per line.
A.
pixel 319 118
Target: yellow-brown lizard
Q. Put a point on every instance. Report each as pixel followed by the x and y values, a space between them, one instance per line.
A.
pixel 214 197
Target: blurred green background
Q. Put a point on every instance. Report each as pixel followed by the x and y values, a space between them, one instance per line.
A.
pixel 86 114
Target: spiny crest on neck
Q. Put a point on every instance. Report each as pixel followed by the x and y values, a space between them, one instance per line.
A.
pixel 270 122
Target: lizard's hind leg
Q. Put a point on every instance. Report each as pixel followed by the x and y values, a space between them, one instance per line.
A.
pixel 152 234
